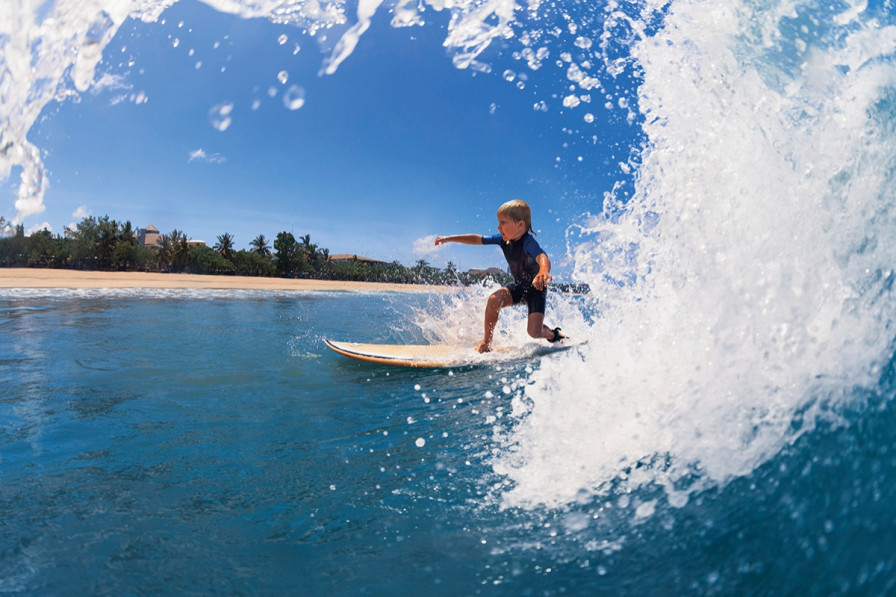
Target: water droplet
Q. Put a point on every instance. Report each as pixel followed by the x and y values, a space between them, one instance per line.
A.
pixel 219 116
pixel 294 98
pixel 283 76
pixel 571 101
pixel 420 442
pixel 282 39
pixel 175 43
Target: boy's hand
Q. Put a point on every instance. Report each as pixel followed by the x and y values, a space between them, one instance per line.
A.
pixel 541 280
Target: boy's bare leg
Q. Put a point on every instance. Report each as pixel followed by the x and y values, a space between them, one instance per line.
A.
pixel 536 327
pixel 498 300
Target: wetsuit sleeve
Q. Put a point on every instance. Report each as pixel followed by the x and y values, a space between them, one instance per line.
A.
pixel 492 240
pixel 532 248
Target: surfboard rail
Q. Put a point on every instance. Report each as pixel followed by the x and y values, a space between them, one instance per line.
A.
pixel 439 355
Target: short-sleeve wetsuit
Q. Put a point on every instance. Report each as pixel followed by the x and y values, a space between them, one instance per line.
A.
pixel 521 256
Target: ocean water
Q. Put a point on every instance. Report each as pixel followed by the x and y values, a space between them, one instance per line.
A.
pixel 204 442
pixel 727 430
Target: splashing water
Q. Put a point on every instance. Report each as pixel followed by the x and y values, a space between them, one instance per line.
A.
pixel 741 279
pixel 747 285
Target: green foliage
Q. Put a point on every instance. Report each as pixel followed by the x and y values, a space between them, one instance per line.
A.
pixel 99 243
pixel 250 263
pixel 260 246
pixel 224 246
pixel 42 249
pixel 105 244
pixel 13 251
pixel 286 254
pixel 203 260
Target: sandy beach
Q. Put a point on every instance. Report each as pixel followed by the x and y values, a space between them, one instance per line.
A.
pixel 61 278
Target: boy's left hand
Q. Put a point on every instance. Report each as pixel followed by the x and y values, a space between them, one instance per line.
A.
pixel 541 280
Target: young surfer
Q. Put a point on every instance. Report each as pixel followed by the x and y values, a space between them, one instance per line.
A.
pixel 529 266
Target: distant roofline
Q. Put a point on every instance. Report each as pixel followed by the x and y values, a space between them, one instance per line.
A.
pixel 353 257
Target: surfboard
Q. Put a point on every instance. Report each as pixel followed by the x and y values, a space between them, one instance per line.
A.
pixel 443 355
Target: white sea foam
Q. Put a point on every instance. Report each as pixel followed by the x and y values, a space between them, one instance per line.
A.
pixel 748 282
pixel 190 294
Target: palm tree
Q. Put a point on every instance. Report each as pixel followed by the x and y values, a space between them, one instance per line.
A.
pixel 224 246
pixel 421 271
pixel 180 250
pixel 164 255
pixel 124 251
pixel 260 246
pixel 309 252
pixel 450 275
pixel 106 233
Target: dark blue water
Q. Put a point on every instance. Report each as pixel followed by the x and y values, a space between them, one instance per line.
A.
pixel 205 443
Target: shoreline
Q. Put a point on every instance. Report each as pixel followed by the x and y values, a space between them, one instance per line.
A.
pixel 37 278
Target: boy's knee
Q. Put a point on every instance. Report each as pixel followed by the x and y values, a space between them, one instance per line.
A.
pixel 499 298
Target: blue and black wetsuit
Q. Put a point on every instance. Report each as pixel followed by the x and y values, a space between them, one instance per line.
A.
pixel 521 256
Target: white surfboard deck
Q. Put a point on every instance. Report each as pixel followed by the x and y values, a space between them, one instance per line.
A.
pixel 444 355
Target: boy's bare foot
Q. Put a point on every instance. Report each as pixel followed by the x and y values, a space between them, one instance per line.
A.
pixel 483 346
pixel 557 336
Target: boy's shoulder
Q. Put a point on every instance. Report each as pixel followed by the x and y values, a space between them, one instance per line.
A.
pixel 530 245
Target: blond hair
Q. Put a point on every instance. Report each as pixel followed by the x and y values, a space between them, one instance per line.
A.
pixel 518 211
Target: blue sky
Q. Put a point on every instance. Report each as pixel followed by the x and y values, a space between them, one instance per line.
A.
pixel 395 147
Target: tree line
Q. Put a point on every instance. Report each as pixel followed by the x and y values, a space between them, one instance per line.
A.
pixel 108 245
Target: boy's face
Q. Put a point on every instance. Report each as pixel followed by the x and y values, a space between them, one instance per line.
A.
pixel 510 229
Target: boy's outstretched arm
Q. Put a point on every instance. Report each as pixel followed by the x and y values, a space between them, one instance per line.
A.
pixel 467 239
pixel 544 272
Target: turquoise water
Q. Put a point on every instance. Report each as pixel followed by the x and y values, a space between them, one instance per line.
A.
pixel 207 442
pixel 210 442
